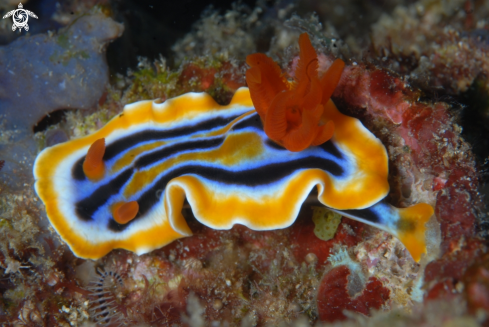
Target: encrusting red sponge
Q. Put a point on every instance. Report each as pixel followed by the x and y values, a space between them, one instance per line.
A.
pixel 294 114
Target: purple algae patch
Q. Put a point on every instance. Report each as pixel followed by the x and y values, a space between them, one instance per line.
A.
pixel 63 70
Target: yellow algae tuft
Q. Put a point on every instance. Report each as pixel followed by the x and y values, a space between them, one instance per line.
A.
pixel 326 222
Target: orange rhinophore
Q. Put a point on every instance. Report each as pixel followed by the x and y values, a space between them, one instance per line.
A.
pixel 124 212
pixel 93 165
pixel 294 114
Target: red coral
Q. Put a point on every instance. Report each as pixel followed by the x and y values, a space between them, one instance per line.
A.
pixel 232 78
pixel 199 246
pixel 442 275
pixel 453 272
pixel 455 213
pixel 389 98
pixel 454 207
pixel 383 95
pixel 439 183
pixel 204 76
pixel 389 95
pixel 442 290
pixel 433 147
pixel 476 281
pixel 333 295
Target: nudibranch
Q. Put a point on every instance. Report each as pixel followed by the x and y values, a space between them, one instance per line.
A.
pixel 294 114
pixel 124 186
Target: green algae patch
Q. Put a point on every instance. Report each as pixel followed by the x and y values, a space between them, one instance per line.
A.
pixel 17 294
pixel 63 41
pixel 4 223
pixel 326 223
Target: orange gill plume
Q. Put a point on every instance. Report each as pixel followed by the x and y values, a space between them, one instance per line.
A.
pixel 295 114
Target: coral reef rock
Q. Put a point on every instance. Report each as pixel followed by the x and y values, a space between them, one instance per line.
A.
pixel 62 70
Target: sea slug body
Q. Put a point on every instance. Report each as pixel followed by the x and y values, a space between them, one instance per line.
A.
pixel 221 161
pixel 124 186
